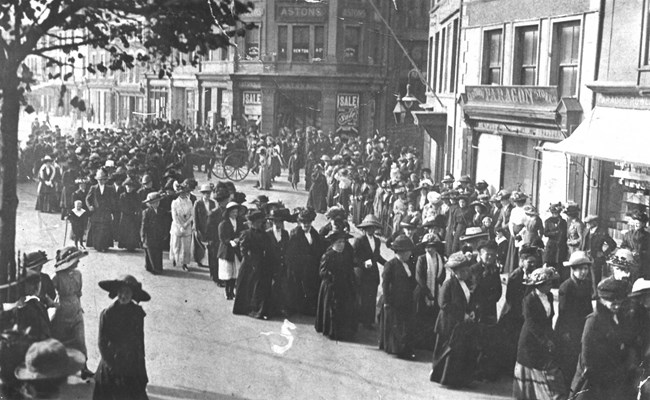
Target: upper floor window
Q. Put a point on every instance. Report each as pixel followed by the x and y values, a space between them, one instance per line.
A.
pixel 283 42
pixel 351 43
pixel 252 43
pixel 492 57
pixel 566 57
pixel 300 49
pixel 645 61
pixel 525 58
pixel 319 42
pixel 300 43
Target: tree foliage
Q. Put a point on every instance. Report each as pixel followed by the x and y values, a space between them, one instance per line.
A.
pixel 160 27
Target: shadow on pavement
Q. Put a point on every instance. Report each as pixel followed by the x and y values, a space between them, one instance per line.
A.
pixel 166 393
pixel 201 274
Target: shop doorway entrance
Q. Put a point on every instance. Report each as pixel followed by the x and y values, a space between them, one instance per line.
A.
pixel 298 110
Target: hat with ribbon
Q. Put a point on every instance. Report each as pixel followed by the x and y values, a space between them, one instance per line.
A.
pixel 402 243
pixel 279 214
pixel 530 210
pixel 153 197
pixel 518 196
pixel 503 194
pixel 577 259
pixel 429 240
pixel 113 287
pixel 555 208
pixel 370 221
pixel 232 205
pixel 541 276
pixel 623 259
pixel 472 233
pixel 449 178
pixel 255 215
pixel 306 215
pixel 35 259
pixel 67 257
pixel 458 260
pixel 638 215
pixel 465 179
pixel 205 188
pixel 49 359
pixel 572 209
pixel 591 218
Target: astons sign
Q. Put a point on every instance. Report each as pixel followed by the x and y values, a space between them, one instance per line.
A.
pixel 301 12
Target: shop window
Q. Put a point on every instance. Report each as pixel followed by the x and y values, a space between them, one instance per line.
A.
pixel 492 55
pixel 454 51
pixel 282 43
pixel 442 50
pixel 525 60
pixel 430 59
pixel 565 57
pixel 223 52
pixel 252 43
pixel 352 40
pixel 300 48
pixel 319 43
pixel 646 39
pixel 434 73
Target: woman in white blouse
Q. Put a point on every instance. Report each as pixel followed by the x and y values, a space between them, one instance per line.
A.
pixel 180 242
pixel 516 224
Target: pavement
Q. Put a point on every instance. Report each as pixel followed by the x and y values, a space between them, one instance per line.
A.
pixel 197 349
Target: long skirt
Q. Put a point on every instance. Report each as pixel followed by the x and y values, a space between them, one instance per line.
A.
pixel 317 198
pixel 70 332
pixel 100 235
pixel 242 303
pixel 111 385
pixel 395 330
pixel 47 200
pixel 265 178
pixel 153 259
pixel 213 260
pixel 129 232
pixel 535 384
pixel 454 357
pixel 368 302
pixel 229 269
pixel 200 251
pixel 335 314
pixel 180 249
pixel 512 259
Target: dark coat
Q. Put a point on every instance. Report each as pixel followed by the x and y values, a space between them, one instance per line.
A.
pixel 278 251
pixel 601 370
pixel 201 218
pixel 555 252
pixel 303 262
pixel 639 242
pixel 453 307
pixel 104 205
pixel 130 214
pixel 536 339
pixel 33 314
pixel 227 232
pixel 396 317
pixel 574 307
pixel 122 372
pixel 398 286
pixel 593 243
pixel 367 277
pixel 151 228
pixel 255 276
pixel 487 291
pixel 422 291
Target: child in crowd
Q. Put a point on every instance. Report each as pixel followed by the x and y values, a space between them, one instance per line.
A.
pixel 78 218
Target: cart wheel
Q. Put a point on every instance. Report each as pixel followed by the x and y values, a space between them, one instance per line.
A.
pixel 235 166
pixel 217 169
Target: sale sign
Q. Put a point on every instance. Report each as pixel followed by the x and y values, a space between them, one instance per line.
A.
pixel 347 113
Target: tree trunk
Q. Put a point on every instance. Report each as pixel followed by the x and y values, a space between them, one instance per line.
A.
pixel 8 169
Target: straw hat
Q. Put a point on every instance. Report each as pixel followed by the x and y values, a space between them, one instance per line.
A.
pixel 153 197
pixel 458 260
pixel 623 259
pixel 49 359
pixel 612 289
pixel 370 221
pixel 35 259
pixel 641 287
pixel 541 275
pixel 113 287
pixel 67 257
pixel 429 240
pixel 205 188
pixel 578 258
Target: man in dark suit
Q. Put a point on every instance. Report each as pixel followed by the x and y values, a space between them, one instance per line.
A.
pixel 151 234
pixel 278 238
pixel 212 233
pixel 101 201
pixel 202 208
pixel 599 245
pixel 367 255
pixel 30 313
pixel 637 240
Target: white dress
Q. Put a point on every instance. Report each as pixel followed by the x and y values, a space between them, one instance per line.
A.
pixel 180 242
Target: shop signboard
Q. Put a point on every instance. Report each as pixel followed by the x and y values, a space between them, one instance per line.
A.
pixel 252 104
pixel 554 135
pixel 526 96
pixel 301 12
pixel 347 113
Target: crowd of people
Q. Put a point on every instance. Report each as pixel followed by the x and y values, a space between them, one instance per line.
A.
pixel 455 243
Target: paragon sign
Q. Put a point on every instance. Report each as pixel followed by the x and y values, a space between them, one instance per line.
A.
pixel 347 113
pixel 301 12
pixel 535 96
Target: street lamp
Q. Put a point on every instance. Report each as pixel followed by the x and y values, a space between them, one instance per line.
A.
pixel 409 100
pixel 399 112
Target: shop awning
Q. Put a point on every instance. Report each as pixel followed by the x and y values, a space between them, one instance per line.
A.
pixel 610 134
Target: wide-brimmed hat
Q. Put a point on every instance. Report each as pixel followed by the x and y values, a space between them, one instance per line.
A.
pixel 530 210
pixel 49 359
pixel 407 224
pixel 578 258
pixel 555 207
pixel 503 194
pixel 482 184
pixel 518 196
pixel 129 182
pixel 325 157
pixel 465 179
pixel 146 178
pixel 429 240
pixel 402 243
pixel 572 208
pixel 640 287
pixel 458 260
pixel 279 214
pixel 541 275
pixel 335 212
pixel 473 233
pixel 113 287
pixel 205 188
pixel 306 215
pixel 232 204
pixel 333 236
pixel 153 197
pixel 46 158
pixel 262 198
pixel 101 174
pixel 638 215
pixel 437 222
pixel 612 289
pixel 67 257
pixel 370 221
pixel 623 259
pixel 35 259
pixel 449 178
pixel 591 218
pixel 529 250
pixel 434 197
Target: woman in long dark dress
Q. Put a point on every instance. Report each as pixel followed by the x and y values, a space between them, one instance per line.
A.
pixel 336 315
pixel 429 275
pixel 537 373
pixel 367 254
pixel 318 190
pixel 122 372
pixel 255 278
pixel 130 209
pixel 396 317
pixel 46 200
pixel 555 252
pixel 456 350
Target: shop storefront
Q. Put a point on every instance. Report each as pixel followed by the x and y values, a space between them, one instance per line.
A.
pixel 613 135
pixel 505 126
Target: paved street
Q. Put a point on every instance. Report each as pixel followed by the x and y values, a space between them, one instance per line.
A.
pixel 197 349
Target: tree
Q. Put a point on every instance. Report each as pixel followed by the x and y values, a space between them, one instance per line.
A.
pixel 38 27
